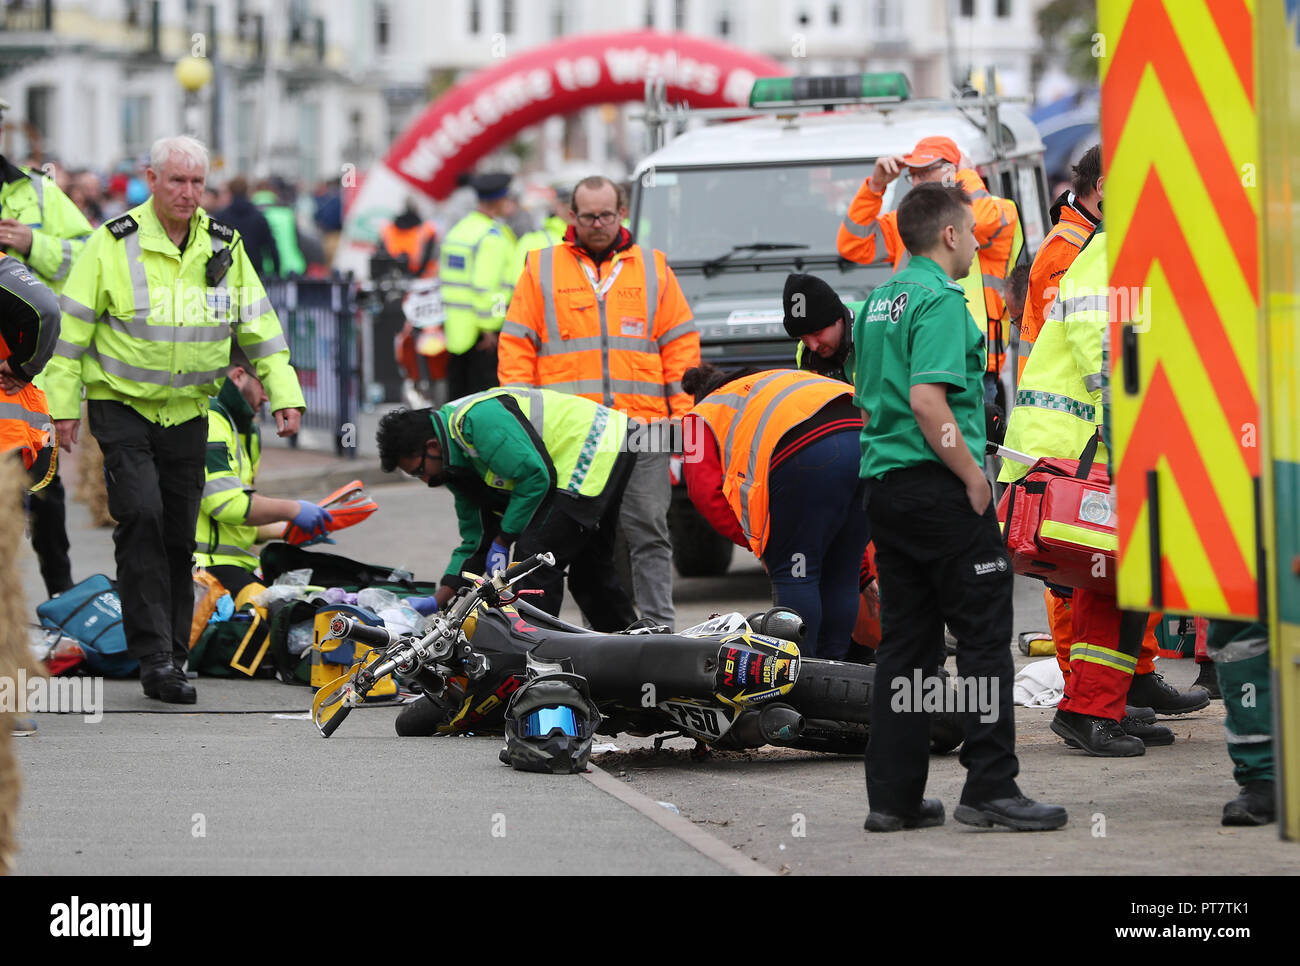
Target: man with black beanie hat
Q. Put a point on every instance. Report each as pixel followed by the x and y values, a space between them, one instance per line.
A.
pixel 823 325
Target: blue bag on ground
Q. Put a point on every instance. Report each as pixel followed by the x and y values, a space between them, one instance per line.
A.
pixel 91 613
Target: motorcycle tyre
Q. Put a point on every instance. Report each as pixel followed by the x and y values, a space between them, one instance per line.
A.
pixel 837 691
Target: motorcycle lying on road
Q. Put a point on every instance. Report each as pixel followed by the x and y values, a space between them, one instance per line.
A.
pixel 730 683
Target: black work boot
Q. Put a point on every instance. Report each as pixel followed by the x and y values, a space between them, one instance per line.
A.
pixel 1100 737
pixel 1256 805
pixel 161 679
pixel 1152 691
pixel 1152 734
pixel 1207 676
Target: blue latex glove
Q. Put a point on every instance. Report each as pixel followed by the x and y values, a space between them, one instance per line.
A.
pixel 311 517
pixel 498 558
pixel 224 610
pixel 423 605
pixel 323 538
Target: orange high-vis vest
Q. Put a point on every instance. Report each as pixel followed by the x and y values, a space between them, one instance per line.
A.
pixel 1057 252
pixel 415 243
pixel 748 417
pixel 25 424
pixel 618 335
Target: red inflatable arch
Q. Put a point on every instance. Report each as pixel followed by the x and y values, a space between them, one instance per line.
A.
pixel 493 105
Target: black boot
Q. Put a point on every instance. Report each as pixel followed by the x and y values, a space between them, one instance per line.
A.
pixel 162 680
pixel 1100 737
pixel 1208 677
pixel 1152 691
pixel 1256 805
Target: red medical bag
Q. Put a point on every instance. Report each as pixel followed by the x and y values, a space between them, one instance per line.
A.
pixel 1058 522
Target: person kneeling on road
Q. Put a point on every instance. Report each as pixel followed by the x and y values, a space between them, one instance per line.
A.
pixel 543 471
pixel 920 365
pixel 232 518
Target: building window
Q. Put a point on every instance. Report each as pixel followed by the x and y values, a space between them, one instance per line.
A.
pixel 475 17
pixel 649 19
pixel 834 15
pixel 507 17
pixel 888 15
pixel 967 8
pixel 40 104
pixel 679 14
pixel 805 18
pixel 724 20
pixel 383 21
pixel 557 18
pixel 1004 8
pixel 136 124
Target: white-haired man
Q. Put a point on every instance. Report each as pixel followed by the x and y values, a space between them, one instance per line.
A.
pixel 148 313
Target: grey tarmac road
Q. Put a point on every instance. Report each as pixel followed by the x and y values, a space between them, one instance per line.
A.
pixel 126 794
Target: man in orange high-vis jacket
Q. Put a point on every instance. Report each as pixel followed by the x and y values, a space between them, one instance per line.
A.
pixel 1074 216
pixel 410 238
pixel 599 316
pixel 867 236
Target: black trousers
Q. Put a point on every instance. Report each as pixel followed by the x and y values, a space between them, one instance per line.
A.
pixel 587 551
pixel 939 562
pixel 155 482
pixel 472 372
pixel 49 525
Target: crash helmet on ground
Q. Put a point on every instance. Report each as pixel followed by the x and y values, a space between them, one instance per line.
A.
pixel 549 725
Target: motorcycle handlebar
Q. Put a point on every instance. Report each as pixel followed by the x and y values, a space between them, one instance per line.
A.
pixel 528 565
pixel 353 630
pixel 329 727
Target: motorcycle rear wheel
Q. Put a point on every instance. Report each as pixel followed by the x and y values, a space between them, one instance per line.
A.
pixel 838 693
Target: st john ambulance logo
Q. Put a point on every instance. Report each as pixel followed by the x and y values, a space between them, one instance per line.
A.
pixel 897 308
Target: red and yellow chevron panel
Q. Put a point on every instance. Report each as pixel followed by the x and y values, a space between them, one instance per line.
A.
pixel 1180 143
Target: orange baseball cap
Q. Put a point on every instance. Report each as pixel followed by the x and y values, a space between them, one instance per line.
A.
pixel 930 151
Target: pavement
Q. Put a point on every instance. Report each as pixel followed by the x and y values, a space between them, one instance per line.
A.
pixel 241 782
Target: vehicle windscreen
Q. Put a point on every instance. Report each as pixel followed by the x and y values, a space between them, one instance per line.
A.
pixel 701 214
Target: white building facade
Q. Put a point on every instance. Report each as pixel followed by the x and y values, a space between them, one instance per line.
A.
pixel 306 88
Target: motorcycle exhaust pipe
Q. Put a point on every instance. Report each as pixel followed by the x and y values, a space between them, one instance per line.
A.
pixel 774 724
pixel 780 724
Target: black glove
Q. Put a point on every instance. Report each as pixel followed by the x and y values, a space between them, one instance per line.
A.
pixel 995 423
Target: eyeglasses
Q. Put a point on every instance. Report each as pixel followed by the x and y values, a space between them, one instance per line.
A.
pixel 418 472
pixel 587 219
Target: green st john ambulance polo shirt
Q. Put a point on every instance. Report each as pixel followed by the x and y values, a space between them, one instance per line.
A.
pixel 916 329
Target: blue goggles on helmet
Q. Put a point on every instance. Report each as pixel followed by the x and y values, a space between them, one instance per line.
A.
pixel 543 721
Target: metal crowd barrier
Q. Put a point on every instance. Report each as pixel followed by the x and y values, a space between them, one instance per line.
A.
pixel 318 316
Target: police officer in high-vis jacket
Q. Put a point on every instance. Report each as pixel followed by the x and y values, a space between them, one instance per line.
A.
pixel 149 311
pixel 920 364
pixel 475 266
pixel 41 226
pixel 532 469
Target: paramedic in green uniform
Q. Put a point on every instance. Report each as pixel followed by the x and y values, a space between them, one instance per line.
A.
pixel 920 362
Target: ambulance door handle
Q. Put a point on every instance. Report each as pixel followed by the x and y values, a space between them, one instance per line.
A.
pixel 1129 355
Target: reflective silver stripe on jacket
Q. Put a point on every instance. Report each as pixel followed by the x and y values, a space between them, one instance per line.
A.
pixel 520 332
pixel 139 277
pixel 39 421
pixel 124 370
pixel 751 469
pixel 221 484
pixel 72 307
pixel 1078 303
pixel 546 275
pixel 862 231
pixel 260 350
